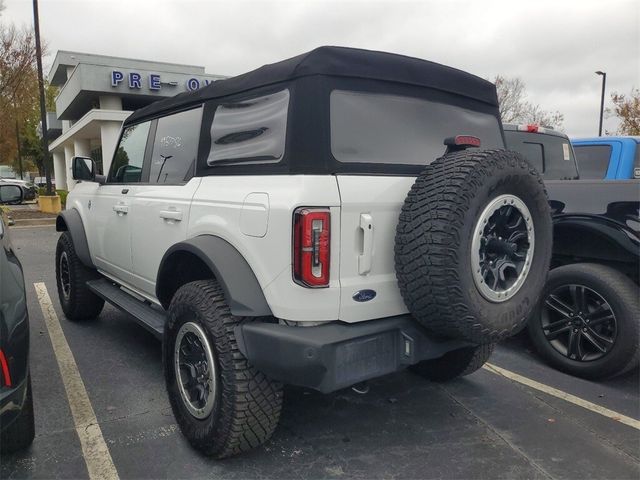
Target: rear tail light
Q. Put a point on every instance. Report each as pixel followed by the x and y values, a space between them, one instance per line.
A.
pixel 4 371
pixel 311 235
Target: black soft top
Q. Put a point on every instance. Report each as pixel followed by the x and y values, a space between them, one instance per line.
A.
pixel 335 61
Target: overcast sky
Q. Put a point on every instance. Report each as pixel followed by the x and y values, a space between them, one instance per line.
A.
pixel 553 46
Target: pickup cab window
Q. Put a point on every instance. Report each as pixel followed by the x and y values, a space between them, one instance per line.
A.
pixel 593 160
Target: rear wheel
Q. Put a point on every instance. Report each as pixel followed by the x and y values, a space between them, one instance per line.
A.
pixel 77 301
pixel 21 432
pixel 223 405
pixel 587 323
pixel 454 364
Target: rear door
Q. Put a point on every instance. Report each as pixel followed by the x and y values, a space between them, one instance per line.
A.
pixel 160 208
pixel 403 134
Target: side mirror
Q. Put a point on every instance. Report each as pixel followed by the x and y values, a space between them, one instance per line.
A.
pixel 83 168
pixel 10 194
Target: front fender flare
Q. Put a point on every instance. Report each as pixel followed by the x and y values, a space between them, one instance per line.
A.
pixel 71 221
pixel 241 287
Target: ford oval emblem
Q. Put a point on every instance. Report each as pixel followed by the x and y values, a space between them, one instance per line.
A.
pixel 364 295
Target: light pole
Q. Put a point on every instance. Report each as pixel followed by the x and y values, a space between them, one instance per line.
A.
pixel 43 106
pixel 604 82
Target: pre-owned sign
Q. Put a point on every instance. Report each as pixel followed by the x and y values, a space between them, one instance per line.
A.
pixel 135 80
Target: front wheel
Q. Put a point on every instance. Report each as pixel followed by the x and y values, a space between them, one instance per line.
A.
pixel 77 301
pixel 587 323
pixel 223 405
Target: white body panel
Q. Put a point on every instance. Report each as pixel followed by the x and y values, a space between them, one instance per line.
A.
pixel 370 207
pixel 255 215
pixel 217 209
pixel 159 219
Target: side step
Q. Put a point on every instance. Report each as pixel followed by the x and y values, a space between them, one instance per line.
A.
pixel 151 318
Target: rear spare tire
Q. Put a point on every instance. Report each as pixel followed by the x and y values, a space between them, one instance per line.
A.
pixel 473 245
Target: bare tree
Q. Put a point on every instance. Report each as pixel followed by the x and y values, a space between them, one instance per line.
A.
pixel 627 109
pixel 515 108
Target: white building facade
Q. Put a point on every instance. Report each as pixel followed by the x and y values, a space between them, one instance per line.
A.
pixel 97 93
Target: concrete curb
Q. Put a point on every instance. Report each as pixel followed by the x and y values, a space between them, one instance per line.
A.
pixel 30 222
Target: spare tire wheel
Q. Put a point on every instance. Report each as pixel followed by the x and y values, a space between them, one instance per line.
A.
pixel 473 245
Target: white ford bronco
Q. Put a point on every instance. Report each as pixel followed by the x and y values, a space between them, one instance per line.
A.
pixel 320 221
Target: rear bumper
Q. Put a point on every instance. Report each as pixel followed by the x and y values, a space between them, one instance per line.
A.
pixel 11 403
pixel 336 355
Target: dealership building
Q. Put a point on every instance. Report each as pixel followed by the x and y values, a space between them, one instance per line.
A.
pixel 96 94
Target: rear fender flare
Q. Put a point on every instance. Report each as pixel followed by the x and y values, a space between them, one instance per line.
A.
pixel 241 287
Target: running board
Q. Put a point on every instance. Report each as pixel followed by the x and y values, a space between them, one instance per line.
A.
pixel 151 318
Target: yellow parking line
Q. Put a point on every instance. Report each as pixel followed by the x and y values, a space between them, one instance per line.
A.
pixel 94 448
pixel 554 392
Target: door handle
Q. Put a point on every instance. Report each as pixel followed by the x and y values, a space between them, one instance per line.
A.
pixel 121 209
pixel 365 259
pixel 175 215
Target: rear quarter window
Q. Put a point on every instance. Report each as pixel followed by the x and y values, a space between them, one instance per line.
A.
pixel 593 160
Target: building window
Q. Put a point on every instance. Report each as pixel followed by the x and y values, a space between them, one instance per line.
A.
pixel 175 147
pixel 250 131
pixel 127 161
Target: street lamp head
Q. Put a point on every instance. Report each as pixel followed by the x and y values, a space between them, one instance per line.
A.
pixel 599 72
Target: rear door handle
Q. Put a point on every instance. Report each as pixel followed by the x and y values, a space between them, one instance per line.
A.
pixel 365 259
pixel 175 215
pixel 121 209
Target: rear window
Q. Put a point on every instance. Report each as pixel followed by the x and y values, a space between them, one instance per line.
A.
pixel 551 155
pixel 393 129
pixel 593 160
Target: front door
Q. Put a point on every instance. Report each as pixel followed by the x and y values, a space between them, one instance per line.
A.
pixel 109 215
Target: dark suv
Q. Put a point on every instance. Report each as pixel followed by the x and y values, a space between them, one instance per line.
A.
pixel 16 402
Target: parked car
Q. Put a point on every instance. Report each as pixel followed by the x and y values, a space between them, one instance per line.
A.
pixel 16 401
pixel 588 322
pixel 29 190
pixel 610 158
pixel 321 221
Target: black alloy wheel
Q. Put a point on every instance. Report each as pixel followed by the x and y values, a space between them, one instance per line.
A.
pixel 579 323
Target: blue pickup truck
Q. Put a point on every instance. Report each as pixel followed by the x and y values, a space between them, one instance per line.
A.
pixel 609 158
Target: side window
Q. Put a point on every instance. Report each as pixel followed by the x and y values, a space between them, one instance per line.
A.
pixel 593 160
pixel 175 147
pixel 250 131
pixel 127 161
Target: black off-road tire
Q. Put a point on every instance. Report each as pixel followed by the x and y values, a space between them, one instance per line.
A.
pixel 621 294
pixel 454 364
pixel 434 237
pixel 20 433
pixel 247 404
pixel 80 303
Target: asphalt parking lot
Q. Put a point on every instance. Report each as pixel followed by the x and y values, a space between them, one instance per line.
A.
pixel 487 425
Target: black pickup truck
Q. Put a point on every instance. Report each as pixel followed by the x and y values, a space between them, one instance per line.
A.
pixel 588 322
